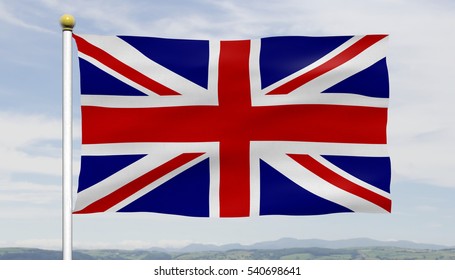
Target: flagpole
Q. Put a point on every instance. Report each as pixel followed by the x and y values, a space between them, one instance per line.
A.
pixel 67 22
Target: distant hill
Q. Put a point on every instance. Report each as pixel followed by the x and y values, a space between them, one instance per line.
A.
pixel 282 249
pixel 346 243
pixel 36 254
pixel 305 243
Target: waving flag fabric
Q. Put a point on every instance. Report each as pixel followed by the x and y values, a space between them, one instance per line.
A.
pixel 272 126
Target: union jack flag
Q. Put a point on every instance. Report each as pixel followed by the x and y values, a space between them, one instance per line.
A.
pixel 273 126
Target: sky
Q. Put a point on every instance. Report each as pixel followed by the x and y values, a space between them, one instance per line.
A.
pixel 421 126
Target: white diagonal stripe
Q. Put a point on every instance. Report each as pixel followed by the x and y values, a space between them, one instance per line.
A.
pixel 321 148
pixel 315 64
pixel 130 56
pixel 158 153
pixel 314 184
pixel 310 93
pixel 349 177
pixel 150 187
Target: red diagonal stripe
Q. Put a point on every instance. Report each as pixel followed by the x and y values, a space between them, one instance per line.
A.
pixel 340 182
pixel 329 65
pixel 120 67
pixel 139 183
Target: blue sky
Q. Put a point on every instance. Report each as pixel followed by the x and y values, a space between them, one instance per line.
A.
pixel 421 127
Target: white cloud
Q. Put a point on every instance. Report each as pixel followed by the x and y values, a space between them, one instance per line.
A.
pixel 133 244
pixel 31 143
pixel 24 131
pixel 12 18
pixel 49 244
pixel 421 143
pixel 28 193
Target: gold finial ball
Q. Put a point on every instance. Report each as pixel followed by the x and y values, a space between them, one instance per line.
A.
pixel 67 22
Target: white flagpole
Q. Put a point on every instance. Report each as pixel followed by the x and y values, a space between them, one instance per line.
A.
pixel 67 22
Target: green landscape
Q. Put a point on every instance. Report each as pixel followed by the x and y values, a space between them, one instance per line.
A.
pixel 367 253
